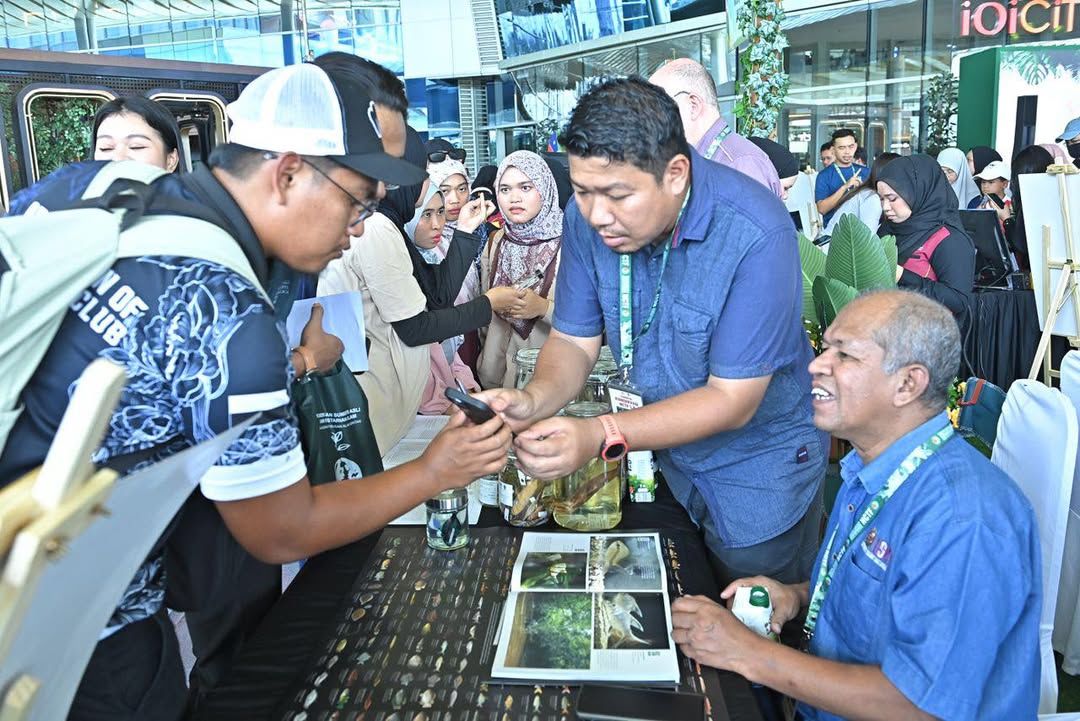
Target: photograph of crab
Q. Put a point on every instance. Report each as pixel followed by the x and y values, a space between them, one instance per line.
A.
pixel 550 630
pixel 561 571
pixel 629 621
pixel 624 563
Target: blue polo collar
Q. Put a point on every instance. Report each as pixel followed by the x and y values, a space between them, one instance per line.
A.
pixel 873 476
pixel 698 216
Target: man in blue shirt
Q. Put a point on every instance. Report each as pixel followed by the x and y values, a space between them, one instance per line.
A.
pixel 928 608
pixel 837 181
pixel 718 353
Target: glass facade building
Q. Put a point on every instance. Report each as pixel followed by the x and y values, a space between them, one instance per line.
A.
pixel 863 65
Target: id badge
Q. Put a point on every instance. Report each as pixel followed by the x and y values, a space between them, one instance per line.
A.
pixel 640 478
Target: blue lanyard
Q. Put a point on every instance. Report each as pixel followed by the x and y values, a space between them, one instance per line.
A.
pixel 626 311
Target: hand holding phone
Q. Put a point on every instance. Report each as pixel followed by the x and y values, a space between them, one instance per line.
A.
pixel 476 411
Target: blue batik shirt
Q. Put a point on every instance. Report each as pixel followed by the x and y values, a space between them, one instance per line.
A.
pixel 943 591
pixel 731 306
pixel 202 351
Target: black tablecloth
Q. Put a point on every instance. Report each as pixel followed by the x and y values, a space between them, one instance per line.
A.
pixel 282 651
pixel 1003 335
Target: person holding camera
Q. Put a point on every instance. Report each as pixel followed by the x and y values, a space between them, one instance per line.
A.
pixel 993 183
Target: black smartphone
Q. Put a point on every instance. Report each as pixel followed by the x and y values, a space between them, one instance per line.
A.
pixel 610 703
pixel 477 411
pixel 480 192
pixel 996 199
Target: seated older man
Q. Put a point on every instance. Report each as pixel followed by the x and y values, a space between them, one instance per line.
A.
pixel 926 594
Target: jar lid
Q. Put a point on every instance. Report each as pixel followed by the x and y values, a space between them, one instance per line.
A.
pixel 448 501
pixel 587 409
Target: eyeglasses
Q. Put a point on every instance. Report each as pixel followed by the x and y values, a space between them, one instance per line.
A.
pixel 454 154
pixel 366 208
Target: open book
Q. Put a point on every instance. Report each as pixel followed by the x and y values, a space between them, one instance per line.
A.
pixel 587 607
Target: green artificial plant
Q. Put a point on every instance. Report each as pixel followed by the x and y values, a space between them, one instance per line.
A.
pixel 857 261
pixel 941 108
pixel 763 84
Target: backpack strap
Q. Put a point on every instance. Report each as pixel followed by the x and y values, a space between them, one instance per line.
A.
pixel 120 170
pixel 935 240
pixel 177 235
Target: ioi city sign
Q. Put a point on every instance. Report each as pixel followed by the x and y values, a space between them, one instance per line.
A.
pixel 1017 16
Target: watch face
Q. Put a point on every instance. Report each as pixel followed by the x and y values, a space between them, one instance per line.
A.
pixel 614 451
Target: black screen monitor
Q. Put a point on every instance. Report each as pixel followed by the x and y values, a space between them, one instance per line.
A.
pixel 992 261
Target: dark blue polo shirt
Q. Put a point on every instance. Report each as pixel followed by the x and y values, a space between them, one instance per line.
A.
pixel 731 307
pixel 943 591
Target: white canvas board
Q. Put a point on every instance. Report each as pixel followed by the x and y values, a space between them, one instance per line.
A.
pixel 1042 207
pixel 76 595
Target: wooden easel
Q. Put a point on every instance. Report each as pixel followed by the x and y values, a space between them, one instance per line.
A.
pixel 43 510
pixel 1068 287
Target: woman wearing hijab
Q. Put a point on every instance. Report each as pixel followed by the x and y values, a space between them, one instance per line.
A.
pixel 787 167
pixel 1032 159
pixel 954 164
pixel 401 320
pixel 524 255
pixel 979 157
pixel 936 256
pixel 446 369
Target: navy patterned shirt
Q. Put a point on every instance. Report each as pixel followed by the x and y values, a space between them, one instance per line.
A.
pixel 202 350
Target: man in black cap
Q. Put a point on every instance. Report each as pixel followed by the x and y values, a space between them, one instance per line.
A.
pixel 302 174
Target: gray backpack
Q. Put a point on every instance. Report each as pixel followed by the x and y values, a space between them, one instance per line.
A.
pixel 40 276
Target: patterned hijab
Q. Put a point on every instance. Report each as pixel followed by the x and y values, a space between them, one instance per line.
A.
pixel 439 172
pixel 526 257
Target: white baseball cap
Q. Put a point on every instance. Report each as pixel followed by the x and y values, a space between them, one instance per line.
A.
pixel 995 169
pixel 307 110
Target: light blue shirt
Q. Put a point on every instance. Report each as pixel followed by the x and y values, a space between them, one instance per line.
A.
pixel 943 591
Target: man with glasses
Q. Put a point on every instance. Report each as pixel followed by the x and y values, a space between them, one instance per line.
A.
pixel 694 91
pixel 301 175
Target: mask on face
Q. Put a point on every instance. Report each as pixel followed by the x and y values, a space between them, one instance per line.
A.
pixel 1074 150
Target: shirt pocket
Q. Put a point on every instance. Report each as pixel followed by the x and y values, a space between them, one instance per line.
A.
pixel 859 609
pixel 687 349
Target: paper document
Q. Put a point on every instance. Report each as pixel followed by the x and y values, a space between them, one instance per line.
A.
pixel 587 607
pixel 411 447
pixel 343 316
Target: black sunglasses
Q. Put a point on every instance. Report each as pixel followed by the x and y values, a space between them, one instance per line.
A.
pixel 440 155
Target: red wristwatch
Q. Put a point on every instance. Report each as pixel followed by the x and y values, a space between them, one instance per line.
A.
pixel 614 446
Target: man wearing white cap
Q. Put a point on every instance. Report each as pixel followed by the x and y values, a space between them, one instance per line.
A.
pixel 1071 137
pixel 993 181
pixel 300 176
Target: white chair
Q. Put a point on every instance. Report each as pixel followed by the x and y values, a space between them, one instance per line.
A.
pixel 801 200
pixel 1067 619
pixel 1036 445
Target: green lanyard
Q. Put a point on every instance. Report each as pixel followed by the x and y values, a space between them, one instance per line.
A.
pixel 896 479
pixel 717 142
pixel 627 339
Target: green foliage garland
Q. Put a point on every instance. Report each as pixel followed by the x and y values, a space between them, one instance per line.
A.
pixel 940 109
pixel 763 84
pixel 62 128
